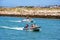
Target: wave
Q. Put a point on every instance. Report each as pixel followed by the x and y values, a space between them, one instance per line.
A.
pixel 14 21
pixel 24 20
pixel 13 28
pixel 28 20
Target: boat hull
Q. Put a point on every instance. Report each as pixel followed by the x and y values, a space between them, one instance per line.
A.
pixel 35 29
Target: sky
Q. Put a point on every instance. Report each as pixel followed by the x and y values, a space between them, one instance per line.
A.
pixel 13 3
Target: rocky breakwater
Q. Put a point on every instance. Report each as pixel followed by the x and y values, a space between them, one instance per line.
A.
pixel 31 12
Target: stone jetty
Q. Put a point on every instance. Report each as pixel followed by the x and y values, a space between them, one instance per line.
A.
pixel 31 12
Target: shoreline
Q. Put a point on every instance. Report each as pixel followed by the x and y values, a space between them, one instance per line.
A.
pixel 32 16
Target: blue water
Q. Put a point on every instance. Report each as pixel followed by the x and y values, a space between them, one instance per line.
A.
pixel 50 29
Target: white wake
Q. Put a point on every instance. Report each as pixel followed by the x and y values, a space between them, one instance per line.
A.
pixel 15 21
pixel 24 20
pixel 13 28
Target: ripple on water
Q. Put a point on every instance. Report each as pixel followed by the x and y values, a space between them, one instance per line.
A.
pixel 50 29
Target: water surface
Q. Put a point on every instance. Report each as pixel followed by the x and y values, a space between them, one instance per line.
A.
pixel 50 29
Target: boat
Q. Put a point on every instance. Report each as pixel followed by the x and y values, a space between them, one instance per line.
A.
pixel 34 26
pixel 37 29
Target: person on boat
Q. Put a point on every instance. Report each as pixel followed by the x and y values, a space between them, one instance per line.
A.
pixel 26 27
pixel 28 19
pixel 33 26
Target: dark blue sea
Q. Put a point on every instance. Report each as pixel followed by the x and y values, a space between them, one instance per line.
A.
pixel 9 29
